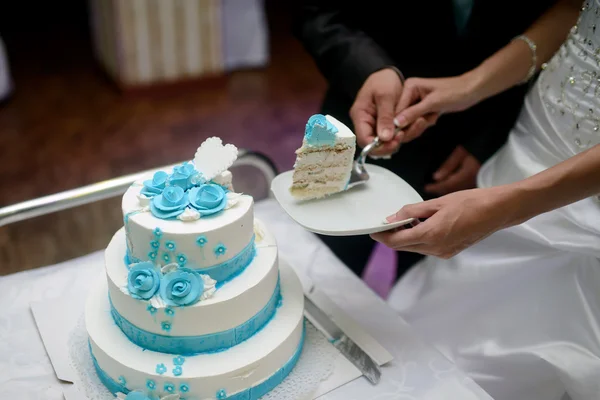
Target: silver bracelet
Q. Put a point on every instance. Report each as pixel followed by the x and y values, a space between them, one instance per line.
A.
pixel 533 48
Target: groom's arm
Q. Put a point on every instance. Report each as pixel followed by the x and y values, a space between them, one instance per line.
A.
pixel 344 54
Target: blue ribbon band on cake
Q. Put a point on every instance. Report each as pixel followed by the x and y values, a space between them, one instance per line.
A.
pixel 252 393
pixel 222 272
pixel 190 345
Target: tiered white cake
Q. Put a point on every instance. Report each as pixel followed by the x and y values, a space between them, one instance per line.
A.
pixel 197 306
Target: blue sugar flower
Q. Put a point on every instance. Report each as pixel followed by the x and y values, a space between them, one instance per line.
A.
pixel 221 394
pixel 152 255
pixel 181 259
pixel 157 232
pixel 208 199
pixel 166 326
pixel 122 380
pixel 183 176
pixel 201 240
pixel 177 371
pixel 155 244
pixel 151 309
pixel 156 185
pixel 169 387
pixel 170 245
pixel 166 258
pixel 169 311
pixel 150 384
pixel 220 250
pixel 170 203
pixel 179 360
pixel 182 287
pixel 143 280
pixel 184 388
pixel 161 369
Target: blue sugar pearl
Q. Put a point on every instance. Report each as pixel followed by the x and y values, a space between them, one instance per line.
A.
pixel 169 387
pixel 177 371
pixel 161 369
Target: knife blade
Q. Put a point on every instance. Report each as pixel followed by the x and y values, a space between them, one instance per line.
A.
pixel 343 343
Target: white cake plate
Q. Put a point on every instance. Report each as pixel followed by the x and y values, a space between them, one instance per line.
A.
pixel 358 211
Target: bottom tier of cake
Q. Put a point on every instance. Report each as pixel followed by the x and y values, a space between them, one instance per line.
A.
pixel 243 372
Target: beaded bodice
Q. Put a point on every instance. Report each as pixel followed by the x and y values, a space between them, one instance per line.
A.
pixel 570 83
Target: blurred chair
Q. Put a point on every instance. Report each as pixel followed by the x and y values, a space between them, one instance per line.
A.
pixel 142 43
pixel 73 223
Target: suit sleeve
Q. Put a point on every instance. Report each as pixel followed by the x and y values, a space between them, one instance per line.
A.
pixel 345 55
pixel 486 126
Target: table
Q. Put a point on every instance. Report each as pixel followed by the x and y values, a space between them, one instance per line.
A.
pixel 417 372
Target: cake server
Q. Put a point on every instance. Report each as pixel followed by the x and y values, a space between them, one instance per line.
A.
pixel 343 343
pixel 359 173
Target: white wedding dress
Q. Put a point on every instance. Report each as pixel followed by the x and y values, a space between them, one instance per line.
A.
pixel 520 311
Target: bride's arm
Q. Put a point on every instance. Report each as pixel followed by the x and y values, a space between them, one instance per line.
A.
pixel 565 183
pixel 511 64
pixel 506 68
pixel 459 220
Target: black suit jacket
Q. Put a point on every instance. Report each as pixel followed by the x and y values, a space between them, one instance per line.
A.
pixel 351 40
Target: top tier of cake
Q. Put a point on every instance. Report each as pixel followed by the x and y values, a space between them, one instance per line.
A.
pixel 191 217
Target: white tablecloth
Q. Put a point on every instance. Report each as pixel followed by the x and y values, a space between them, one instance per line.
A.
pixel 417 372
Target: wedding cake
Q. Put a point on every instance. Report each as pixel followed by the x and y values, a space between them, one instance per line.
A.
pixel 324 162
pixel 195 305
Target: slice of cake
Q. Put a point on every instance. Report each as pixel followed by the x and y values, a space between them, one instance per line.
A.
pixel 324 162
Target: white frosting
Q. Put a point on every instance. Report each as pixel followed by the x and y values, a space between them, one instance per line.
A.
pixel 188 215
pixel 344 134
pixel 239 300
pixel 232 227
pixel 225 178
pixel 233 370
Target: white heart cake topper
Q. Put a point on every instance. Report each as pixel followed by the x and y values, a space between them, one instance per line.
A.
pixel 212 157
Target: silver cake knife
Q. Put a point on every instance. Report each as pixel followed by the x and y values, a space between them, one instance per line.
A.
pixel 343 343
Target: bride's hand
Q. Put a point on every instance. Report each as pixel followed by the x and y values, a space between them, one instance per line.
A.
pixel 454 222
pixel 424 100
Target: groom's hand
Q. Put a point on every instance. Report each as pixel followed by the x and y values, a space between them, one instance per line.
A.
pixel 373 111
pixel 458 172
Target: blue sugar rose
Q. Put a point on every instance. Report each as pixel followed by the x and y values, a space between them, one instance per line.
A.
pixel 183 176
pixel 182 287
pixel 170 203
pixel 208 198
pixel 156 185
pixel 143 280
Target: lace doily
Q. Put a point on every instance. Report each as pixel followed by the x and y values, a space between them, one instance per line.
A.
pixel 316 364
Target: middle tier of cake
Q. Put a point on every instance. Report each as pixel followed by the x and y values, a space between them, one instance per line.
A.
pixel 235 312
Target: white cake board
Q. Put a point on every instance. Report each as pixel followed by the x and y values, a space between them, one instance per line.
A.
pixel 359 210
pixel 56 319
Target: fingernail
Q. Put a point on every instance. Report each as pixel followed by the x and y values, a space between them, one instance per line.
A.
pixel 385 134
pixel 401 121
pixel 437 176
pixel 391 218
